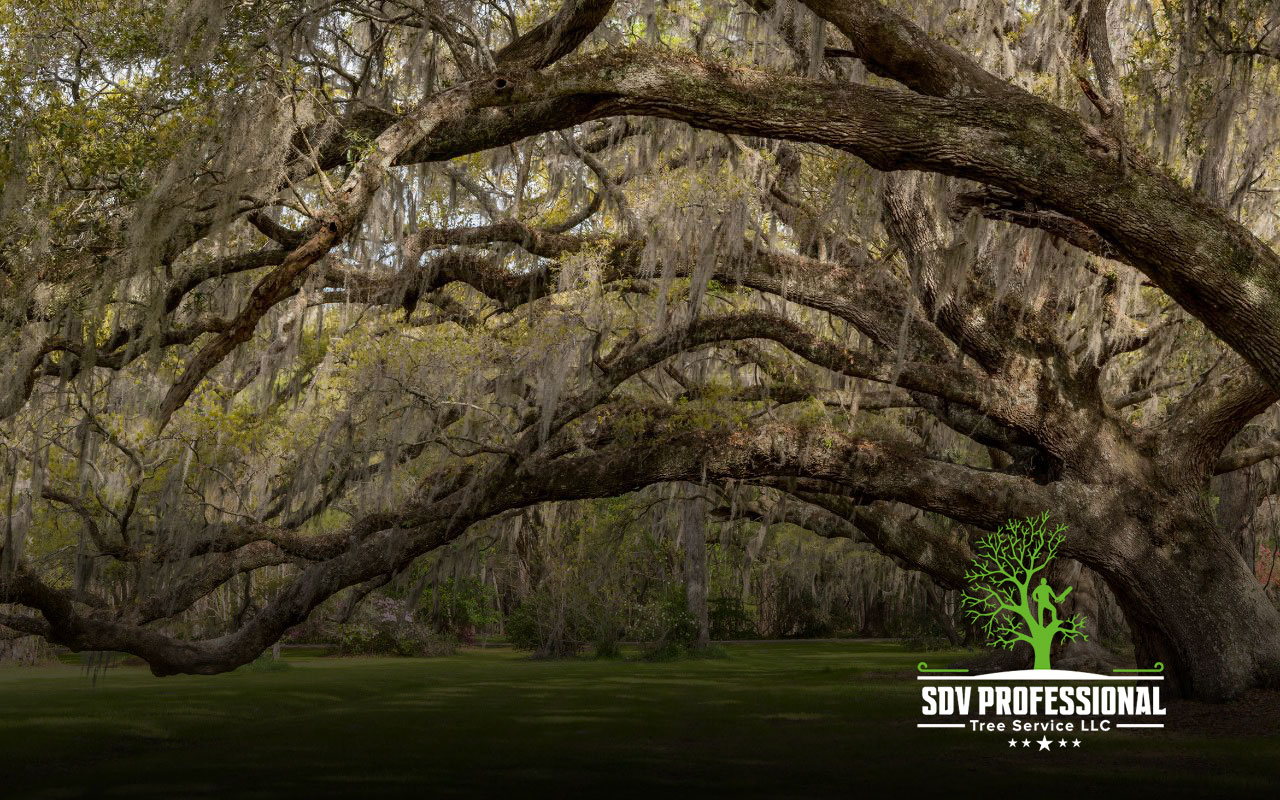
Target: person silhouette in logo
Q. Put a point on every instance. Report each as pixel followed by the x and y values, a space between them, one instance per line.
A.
pixel 1045 598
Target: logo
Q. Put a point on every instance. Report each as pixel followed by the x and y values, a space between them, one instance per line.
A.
pixel 1012 602
pixel 1001 598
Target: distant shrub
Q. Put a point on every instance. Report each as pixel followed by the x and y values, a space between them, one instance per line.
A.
pixel 462 606
pixel 522 627
pixel 546 627
pixel 668 628
pixel 728 619
pixel 609 648
pixel 392 639
pixel 666 620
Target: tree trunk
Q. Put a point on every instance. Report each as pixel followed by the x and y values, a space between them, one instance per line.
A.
pixel 942 614
pixel 1191 602
pixel 1239 495
pixel 1089 599
pixel 693 535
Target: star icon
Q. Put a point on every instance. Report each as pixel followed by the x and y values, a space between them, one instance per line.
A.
pixel 1075 742
pixel 1062 743
pixel 1044 742
pixel 1013 742
pixel 1026 742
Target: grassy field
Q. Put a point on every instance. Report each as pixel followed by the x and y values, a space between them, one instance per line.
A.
pixel 771 720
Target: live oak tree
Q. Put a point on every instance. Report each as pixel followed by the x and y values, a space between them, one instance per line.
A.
pixel 310 289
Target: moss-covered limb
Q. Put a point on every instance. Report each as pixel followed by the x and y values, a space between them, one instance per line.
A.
pixel 861 294
pixel 905 536
pixel 856 466
pixel 1246 457
pixel 950 381
pixel 1205 421
pixel 1024 454
pixel 204 577
pixel 867 467
pixel 130 342
pixel 346 209
pixel 379 543
pixel 482 272
pixel 775 507
pixel 1002 206
pixel 1209 263
pixel 865 297
pixel 893 47
pixel 481 129
pixel 990 326
pixel 894 529
pixel 561 34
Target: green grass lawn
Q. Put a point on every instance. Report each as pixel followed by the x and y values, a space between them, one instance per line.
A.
pixel 771 720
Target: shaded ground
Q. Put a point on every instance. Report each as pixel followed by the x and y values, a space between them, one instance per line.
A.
pixel 772 720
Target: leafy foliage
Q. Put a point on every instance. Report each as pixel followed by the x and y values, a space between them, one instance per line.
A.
pixel 392 639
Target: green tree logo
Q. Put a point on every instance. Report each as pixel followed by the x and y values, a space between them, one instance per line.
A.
pixel 1004 596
